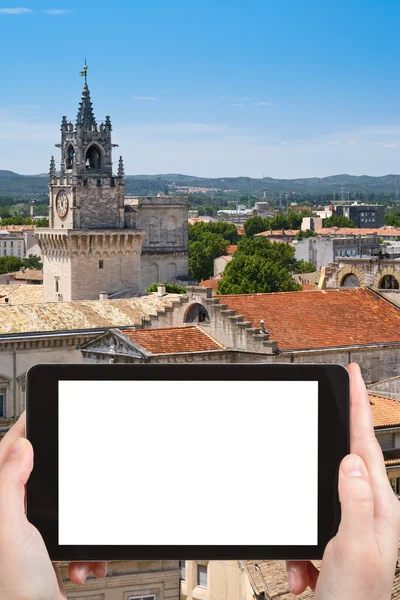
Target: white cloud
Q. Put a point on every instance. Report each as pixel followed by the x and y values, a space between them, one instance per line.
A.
pixel 389 145
pixel 57 11
pixel 149 98
pixel 15 11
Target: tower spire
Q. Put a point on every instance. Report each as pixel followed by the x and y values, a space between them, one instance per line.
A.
pixel 121 170
pixel 52 172
pixel 85 115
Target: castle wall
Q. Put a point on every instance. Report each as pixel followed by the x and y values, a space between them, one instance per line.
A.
pixel 156 268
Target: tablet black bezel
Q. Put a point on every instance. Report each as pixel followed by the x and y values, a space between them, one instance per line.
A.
pixel 42 431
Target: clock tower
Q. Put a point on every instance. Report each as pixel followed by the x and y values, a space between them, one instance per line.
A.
pixel 89 247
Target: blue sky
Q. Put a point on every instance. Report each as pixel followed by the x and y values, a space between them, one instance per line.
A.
pixel 279 88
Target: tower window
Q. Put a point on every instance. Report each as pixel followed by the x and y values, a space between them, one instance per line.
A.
pixel 85 182
pixel 99 183
pixel 101 264
pixel 57 286
pixel 69 157
pixel 93 158
pixel 112 181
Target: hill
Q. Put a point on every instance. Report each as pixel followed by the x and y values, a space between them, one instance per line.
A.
pixel 25 186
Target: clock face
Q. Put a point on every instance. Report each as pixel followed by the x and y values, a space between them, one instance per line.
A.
pixel 62 204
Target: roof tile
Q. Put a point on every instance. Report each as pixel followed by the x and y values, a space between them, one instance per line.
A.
pixel 173 340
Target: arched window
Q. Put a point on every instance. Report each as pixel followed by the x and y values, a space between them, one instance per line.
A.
pixel 69 157
pixel 350 281
pixel 171 272
pixel 196 313
pixel 93 157
pixel 154 273
pixel 388 282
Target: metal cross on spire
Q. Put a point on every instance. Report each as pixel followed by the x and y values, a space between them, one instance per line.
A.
pixel 84 72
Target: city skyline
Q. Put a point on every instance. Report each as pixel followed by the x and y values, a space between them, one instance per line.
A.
pixel 299 91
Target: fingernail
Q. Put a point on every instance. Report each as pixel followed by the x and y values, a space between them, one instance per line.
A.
pixel 292 579
pixel 17 448
pixel 82 576
pixel 352 466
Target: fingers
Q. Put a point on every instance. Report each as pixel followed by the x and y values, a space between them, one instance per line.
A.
pixel 78 571
pixel 357 501
pixel 301 575
pixel 16 431
pixel 14 473
pixel 364 444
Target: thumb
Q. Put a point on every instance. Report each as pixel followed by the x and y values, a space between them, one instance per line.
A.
pixel 14 474
pixel 356 499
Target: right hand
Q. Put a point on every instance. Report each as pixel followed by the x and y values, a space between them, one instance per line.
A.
pixel 360 561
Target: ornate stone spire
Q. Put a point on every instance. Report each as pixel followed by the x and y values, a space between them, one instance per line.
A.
pixel 121 170
pixel 52 172
pixel 85 116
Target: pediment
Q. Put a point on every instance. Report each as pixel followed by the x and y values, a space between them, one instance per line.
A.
pixel 111 343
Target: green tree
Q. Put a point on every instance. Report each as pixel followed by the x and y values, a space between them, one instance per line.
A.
pixel 170 288
pixel 392 219
pixel 41 222
pixel 32 262
pixel 339 221
pixel 253 274
pixel 304 266
pixel 301 235
pixel 17 220
pixel 227 230
pixel 254 225
pixel 203 252
pixel 9 264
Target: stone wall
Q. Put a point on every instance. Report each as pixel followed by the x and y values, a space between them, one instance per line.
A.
pixel 156 268
pixel 368 271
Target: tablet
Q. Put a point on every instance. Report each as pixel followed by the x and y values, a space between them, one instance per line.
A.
pixel 221 461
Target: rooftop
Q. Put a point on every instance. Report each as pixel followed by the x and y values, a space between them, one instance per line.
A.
pixel 385 411
pixel 173 340
pixel 21 294
pixel 277 232
pixel 383 231
pixel 88 314
pixel 32 274
pixel 320 318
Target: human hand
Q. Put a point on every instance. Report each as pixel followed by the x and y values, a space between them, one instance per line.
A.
pixel 26 571
pixel 360 561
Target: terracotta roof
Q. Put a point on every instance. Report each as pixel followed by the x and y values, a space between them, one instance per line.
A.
pixel 211 283
pixel 385 411
pixel 17 227
pixel 383 231
pixel 21 294
pixel 392 457
pixel 33 274
pixel 173 340
pixel 231 249
pixel 88 314
pixel 278 232
pixel 320 318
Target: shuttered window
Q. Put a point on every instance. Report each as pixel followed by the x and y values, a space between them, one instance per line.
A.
pixel 386 440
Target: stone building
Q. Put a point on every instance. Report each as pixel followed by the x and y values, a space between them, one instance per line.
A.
pixel 95 239
pixel 375 272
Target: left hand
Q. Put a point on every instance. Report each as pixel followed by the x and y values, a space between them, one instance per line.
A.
pixel 26 571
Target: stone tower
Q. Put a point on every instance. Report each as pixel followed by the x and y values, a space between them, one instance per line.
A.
pixel 88 248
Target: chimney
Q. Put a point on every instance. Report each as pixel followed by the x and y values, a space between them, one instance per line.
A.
pixel 262 326
pixel 161 290
pixel 103 296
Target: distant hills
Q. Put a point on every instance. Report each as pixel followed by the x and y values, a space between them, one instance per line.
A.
pixel 29 185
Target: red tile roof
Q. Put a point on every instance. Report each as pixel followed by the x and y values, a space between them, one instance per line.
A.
pixel 320 319
pixel 278 232
pixel 211 283
pixel 173 340
pixel 385 411
pixel 32 274
pixel 383 231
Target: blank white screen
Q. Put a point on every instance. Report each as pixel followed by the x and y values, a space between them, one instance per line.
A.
pixel 188 462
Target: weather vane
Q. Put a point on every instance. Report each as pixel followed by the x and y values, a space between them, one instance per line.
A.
pixel 84 72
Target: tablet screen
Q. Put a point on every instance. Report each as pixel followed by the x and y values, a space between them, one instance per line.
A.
pixel 188 463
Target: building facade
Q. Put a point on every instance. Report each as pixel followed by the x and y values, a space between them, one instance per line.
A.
pixel 362 215
pixel 323 250
pixel 94 241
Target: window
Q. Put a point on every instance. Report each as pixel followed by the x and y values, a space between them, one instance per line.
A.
pixel 2 404
pixel 57 286
pixel 386 441
pixel 202 576
pixel 395 483
pixel 11 244
pixel 99 183
pixel 182 567
pixel 101 264
pixel 147 597
pixel 85 182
